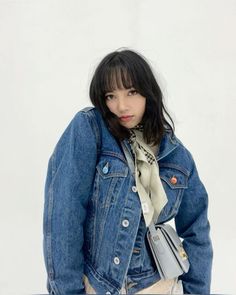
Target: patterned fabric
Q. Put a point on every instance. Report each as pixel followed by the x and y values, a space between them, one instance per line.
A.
pixel 150 157
pixel 151 192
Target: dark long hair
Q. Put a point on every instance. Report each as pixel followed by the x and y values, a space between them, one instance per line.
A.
pixel 126 69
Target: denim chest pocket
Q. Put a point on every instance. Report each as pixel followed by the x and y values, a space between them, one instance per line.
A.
pixel 110 175
pixel 174 181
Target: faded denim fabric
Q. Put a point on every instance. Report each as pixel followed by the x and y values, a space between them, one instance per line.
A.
pixel 93 223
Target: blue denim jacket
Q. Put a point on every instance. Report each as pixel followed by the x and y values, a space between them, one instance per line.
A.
pixel 93 222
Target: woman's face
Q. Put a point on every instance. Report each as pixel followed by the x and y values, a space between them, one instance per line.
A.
pixel 127 104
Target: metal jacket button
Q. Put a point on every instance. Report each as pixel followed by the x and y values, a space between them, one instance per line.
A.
pixel 125 223
pixel 134 189
pixel 116 260
pixel 173 180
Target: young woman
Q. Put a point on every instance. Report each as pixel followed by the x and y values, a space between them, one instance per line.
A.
pixel 97 212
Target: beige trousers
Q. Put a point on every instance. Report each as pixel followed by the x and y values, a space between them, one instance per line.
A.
pixel 173 286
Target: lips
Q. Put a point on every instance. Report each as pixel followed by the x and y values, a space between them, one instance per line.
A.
pixel 126 118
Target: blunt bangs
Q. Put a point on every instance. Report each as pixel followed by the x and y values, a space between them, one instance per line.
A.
pixel 116 77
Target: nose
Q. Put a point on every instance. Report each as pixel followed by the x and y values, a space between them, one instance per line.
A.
pixel 122 104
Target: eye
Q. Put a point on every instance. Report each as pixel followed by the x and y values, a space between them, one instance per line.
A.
pixel 109 96
pixel 133 92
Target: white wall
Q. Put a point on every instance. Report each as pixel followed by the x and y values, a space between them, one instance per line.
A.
pixel 47 54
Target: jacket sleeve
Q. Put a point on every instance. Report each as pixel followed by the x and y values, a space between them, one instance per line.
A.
pixel 68 185
pixel 193 226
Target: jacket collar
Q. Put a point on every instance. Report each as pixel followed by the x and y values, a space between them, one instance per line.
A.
pixel 167 145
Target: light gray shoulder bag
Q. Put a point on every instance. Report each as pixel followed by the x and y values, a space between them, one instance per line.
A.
pixel 167 249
